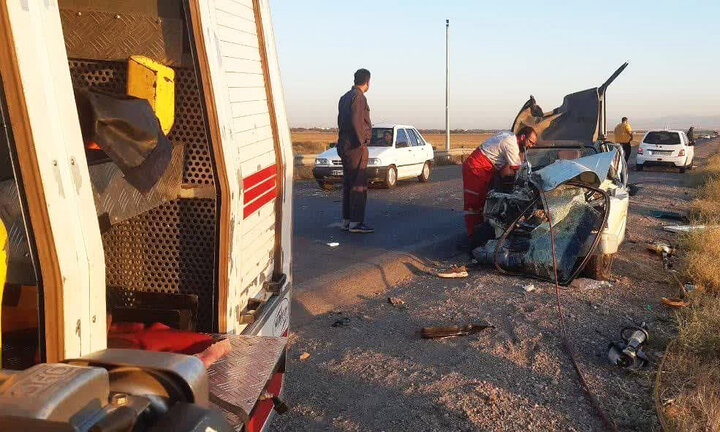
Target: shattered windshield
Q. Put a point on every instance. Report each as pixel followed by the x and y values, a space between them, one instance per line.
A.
pixel 381 137
pixel 543 156
pixel 662 137
pixel 578 214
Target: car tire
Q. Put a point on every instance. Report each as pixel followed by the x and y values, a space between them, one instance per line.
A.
pixel 425 174
pixel 638 167
pixel 325 185
pixel 599 267
pixel 390 177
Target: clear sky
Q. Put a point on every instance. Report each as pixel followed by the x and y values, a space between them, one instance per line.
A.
pixel 500 53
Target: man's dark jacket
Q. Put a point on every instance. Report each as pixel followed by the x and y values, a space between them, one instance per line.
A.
pixel 354 127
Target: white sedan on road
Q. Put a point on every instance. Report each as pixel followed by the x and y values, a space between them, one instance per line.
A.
pixel 665 147
pixel 396 152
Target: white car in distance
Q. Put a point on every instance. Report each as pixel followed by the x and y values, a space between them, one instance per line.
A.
pixel 665 147
pixel 396 152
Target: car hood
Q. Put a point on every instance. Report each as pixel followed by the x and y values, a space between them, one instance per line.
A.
pixel 373 152
pixel 592 170
pixel 579 120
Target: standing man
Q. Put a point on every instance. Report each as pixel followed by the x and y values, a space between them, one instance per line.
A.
pixel 624 135
pixel 499 155
pixel 354 133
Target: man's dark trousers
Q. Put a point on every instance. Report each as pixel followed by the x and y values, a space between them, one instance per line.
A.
pixel 627 149
pixel 354 161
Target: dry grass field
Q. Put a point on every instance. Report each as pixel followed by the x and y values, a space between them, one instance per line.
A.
pixel 313 142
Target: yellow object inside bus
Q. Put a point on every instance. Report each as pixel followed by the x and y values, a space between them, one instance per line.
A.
pixel 148 79
pixel 3 272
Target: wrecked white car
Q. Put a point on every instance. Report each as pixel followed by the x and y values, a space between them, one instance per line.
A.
pixel 574 179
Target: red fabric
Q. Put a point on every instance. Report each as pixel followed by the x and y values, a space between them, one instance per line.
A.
pixel 157 337
pixel 477 172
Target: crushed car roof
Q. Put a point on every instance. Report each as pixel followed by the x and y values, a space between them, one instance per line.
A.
pixel 596 166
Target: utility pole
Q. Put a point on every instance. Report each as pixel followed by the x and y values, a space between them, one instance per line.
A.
pixel 447 86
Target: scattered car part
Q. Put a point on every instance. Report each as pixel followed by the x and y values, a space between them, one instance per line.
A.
pixel 670 215
pixel 395 301
pixel 528 288
pixel 628 353
pixel 674 302
pixel 342 322
pixel 452 331
pixel 453 272
pixel 688 228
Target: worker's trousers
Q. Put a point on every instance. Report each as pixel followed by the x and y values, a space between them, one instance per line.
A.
pixel 354 161
pixel 627 149
pixel 477 172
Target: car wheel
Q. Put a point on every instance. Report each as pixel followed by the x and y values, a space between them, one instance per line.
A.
pixel 390 177
pixel 599 267
pixel 325 185
pixel 638 167
pixel 425 174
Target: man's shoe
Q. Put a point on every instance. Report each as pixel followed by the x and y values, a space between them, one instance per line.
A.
pixel 361 228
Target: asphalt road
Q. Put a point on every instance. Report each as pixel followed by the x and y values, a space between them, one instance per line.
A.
pixel 406 217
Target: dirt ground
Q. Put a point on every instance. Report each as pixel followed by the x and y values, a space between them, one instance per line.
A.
pixel 376 374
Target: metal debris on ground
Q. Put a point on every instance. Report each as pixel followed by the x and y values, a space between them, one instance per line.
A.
pixel 633 189
pixel 688 228
pixel 304 356
pixel 663 214
pixel 628 353
pixel 395 301
pixel 452 331
pixel 454 271
pixel 661 248
pixel 342 322
pixel 529 288
pixel 674 302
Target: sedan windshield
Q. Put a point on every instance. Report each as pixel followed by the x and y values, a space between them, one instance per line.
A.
pixel 662 137
pixel 381 137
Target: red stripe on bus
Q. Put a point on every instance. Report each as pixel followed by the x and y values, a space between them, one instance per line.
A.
pixel 258 190
pixel 254 179
pixel 255 205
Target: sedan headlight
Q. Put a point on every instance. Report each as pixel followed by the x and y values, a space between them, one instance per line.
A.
pixel 374 162
pixel 321 161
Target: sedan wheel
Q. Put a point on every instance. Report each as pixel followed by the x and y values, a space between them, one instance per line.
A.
pixel 425 174
pixel 391 177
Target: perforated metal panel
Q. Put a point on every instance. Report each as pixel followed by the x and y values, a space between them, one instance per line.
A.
pixel 170 248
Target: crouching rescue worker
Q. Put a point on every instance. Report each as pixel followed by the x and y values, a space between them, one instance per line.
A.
pixel 500 155
pixel 354 133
